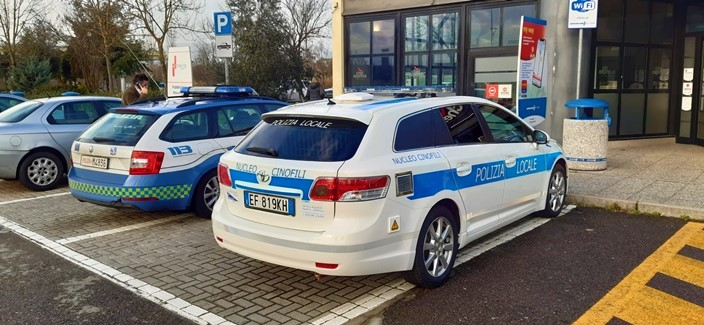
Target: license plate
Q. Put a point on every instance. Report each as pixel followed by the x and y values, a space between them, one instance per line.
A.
pixel 269 203
pixel 99 162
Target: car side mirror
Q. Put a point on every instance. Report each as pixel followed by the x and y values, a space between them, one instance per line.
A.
pixel 540 137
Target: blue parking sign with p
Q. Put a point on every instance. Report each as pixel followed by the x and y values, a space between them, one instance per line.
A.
pixel 223 23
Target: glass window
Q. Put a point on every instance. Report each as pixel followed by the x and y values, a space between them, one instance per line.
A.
pixel 634 59
pixel 632 114
pixel 238 119
pixel 663 23
pixel 658 107
pixel 19 112
pixel 637 21
pixel 118 129
pixel 416 34
pixel 659 71
pixel 444 69
pixel 186 127
pixel 74 113
pixel 6 103
pixel 484 27
pixel 610 21
pixel 695 19
pixel 505 127
pixel 512 23
pixel 416 70
pixel 445 29
pixel 463 124
pixel 383 71
pixel 360 42
pixel 612 99
pixel 284 137
pixel 408 137
pixel 606 73
pixel 383 36
pixel 360 71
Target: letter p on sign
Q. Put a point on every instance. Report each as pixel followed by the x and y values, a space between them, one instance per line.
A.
pixel 223 23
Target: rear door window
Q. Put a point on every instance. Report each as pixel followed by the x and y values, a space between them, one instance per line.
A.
pixel 74 113
pixel 118 129
pixel 408 137
pixel 304 138
pixel 187 127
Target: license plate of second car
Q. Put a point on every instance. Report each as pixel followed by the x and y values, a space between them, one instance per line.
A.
pixel 98 162
pixel 270 203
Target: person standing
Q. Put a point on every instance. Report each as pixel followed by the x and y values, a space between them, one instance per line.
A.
pixel 314 91
pixel 138 91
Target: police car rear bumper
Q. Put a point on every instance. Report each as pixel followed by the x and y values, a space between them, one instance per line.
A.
pixel 390 254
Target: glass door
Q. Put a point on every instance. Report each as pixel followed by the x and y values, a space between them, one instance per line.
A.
pixel 691 110
pixel 494 78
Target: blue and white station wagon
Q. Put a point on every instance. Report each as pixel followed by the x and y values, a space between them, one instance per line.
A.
pixel 362 184
pixel 163 154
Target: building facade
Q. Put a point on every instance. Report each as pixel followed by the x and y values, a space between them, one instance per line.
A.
pixel 645 58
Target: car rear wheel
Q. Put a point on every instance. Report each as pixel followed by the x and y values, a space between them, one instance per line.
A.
pixel 557 192
pixel 436 249
pixel 207 192
pixel 41 171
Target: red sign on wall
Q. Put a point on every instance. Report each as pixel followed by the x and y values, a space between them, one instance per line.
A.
pixel 492 91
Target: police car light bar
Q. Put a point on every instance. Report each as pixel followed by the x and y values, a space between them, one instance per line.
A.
pixel 218 90
pixel 425 91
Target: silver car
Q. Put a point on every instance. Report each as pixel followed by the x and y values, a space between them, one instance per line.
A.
pixel 9 100
pixel 36 137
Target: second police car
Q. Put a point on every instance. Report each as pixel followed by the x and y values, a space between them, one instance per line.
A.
pixel 361 185
pixel 163 154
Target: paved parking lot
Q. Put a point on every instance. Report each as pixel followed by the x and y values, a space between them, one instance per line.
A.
pixel 171 258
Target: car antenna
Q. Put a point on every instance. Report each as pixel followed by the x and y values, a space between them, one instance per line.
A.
pixel 330 102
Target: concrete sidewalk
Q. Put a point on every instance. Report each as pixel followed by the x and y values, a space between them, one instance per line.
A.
pixel 655 176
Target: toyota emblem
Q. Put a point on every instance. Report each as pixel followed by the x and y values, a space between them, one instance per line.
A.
pixel 263 176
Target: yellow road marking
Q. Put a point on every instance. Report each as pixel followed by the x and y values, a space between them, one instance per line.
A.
pixel 697 241
pixel 686 269
pixel 658 308
pixel 616 301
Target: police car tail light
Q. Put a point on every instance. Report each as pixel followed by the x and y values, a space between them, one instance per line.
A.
pixel 146 162
pixel 342 189
pixel 224 175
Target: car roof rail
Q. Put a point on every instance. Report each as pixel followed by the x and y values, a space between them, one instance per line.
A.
pixel 404 91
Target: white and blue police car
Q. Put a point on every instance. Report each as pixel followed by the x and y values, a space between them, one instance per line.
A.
pixel 363 185
pixel 163 154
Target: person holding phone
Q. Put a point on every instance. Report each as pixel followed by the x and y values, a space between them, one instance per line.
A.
pixel 138 91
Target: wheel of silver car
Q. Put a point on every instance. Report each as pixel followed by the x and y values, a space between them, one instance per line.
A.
pixel 557 191
pixel 41 171
pixel 436 249
pixel 206 194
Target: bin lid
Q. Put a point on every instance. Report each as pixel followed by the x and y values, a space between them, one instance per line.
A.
pixel 587 103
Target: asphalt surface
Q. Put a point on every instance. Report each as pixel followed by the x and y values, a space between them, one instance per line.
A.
pixel 38 287
pixel 550 275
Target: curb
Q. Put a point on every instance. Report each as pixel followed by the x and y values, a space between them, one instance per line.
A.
pixel 638 207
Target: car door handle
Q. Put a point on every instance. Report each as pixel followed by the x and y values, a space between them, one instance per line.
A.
pixel 511 161
pixel 464 169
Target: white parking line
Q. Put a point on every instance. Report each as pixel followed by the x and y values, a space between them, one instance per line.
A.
pixel 381 295
pixel 152 293
pixel 119 230
pixel 34 198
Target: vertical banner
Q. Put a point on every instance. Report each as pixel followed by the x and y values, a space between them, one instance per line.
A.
pixel 179 73
pixel 532 71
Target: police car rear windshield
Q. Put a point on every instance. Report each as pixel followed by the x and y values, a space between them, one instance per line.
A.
pixel 19 112
pixel 118 129
pixel 304 138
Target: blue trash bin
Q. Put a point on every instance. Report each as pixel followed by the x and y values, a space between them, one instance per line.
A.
pixel 585 137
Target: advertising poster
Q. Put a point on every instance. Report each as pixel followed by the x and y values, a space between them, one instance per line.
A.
pixel 179 73
pixel 532 71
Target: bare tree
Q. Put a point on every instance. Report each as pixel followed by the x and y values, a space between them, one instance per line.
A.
pixel 103 22
pixel 161 18
pixel 14 17
pixel 308 22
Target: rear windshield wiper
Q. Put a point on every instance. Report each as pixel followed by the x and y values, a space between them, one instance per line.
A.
pixel 266 151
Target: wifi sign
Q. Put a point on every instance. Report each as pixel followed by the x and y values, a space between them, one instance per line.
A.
pixel 583 5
